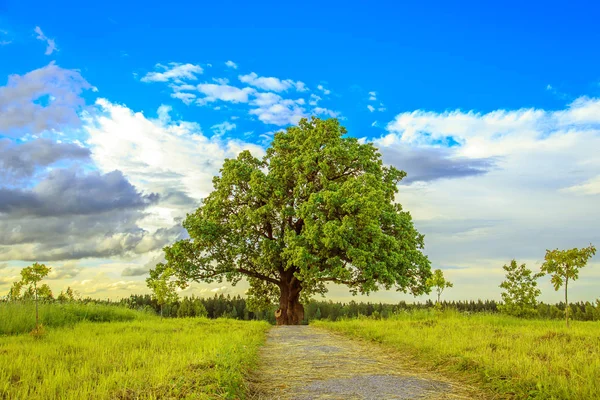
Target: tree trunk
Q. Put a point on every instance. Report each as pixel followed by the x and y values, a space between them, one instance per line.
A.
pixel 290 311
pixel 567 302
pixel 37 317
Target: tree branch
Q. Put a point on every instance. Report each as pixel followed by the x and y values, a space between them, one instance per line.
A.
pixel 258 276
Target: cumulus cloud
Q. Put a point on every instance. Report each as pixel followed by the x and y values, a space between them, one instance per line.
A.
pixel 372 96
pixel 273 109
pixel 140 270
pixel 19 161
pixel 175 72
pixel 187 98
pixel 433 163
pixel 50 43
pixel 271 83
pixel 590 187
pixel 214 92
pixel 522 181
pixel 231 64
pixel 172 158
pixel 371 108
pixel 326 112
pixel 68 270
pixel 322 89
pixel 223 128
pixel 66 192
pixel 70 215
pixel 43 99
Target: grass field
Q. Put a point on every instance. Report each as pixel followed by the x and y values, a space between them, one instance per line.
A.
pixel 514 358
pixel 147 358
pixel 20 317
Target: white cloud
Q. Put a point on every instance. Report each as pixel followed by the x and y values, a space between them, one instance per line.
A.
pixel 175 72
pixel 227 93
pixel 221 81
pixel 540 194
pixel 271 83
pixel 590 187
pixel 371 108
pixel 51 44
pixel 372 96
pixel 159 156
pixel 231 64
pixel 273 109
pixel 223 128
pixel 314 99
pixel 187 98
pixel 325 91
pixel 300 86
pixel 325 111
pixel 20 108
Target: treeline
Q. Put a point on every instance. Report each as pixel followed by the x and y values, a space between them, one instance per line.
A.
pixel 227 306
pixel 235 307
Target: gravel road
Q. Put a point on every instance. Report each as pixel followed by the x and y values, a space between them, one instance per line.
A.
pixel 305 363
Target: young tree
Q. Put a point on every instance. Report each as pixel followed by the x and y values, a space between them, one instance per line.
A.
pixel 163 288
pixel 14 293
pixel 66 296
pixel 438 282
pixel 31 276
pixel 564 265
pixel 317 208
pixel 520 291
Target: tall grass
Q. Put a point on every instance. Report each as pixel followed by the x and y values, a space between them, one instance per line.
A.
pixel 19 317
pixel 193 358
pixel 514 358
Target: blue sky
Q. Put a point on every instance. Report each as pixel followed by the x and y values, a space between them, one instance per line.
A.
pixel 478 102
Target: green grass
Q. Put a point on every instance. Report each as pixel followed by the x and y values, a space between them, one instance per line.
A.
pixel 513 358
pixel 20 317
pixel 192 358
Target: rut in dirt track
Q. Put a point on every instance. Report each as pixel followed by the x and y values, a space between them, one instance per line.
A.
pixel 303 362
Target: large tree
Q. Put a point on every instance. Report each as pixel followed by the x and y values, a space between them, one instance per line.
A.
pixel 319 207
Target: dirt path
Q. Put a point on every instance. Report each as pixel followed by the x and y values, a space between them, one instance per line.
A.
pixel 302 362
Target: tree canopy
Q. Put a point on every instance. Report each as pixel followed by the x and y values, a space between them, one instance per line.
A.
pixel 318 207
pixel 520 291
pixel 564 265
pixel 439 282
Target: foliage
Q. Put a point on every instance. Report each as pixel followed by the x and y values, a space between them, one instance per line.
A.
pixel 30 277
pixel 319 207
pixel 163 288
pixel 520 291
pixel 14 293
pixel 438 282
pixel 564 265
pixel 513 358
pixel 67 295
pixel 144 359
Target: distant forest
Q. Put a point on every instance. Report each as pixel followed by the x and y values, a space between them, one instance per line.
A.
pixel 235 307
